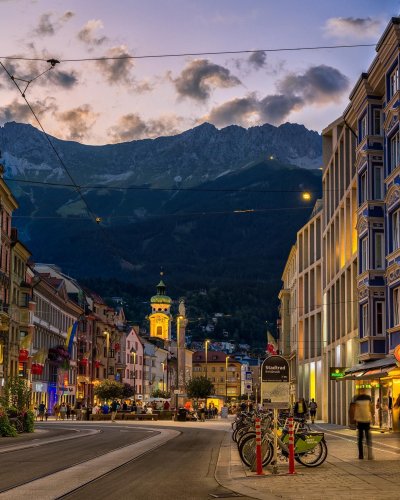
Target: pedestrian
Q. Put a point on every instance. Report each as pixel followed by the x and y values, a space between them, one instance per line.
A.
pixel 78 409
pixel 312 406
pixel 41 410
pixel 202 413
pixel 114 408
pixel 36 412
pixel 166 405
pixel 63 411
pixel 56 410
pixel 68 411
pixel 363 417
pixel 300 409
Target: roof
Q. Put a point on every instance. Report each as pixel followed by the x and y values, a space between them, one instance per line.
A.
pixel 161 299
pixel 212 357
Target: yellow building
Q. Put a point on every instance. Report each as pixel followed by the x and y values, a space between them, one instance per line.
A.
pixel 224 373
pixel 160 317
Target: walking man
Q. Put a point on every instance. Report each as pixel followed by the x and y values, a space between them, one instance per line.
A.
pixel 363 417
pixel 312 406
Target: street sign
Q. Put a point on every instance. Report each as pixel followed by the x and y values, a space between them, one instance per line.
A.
pixel 249 376
pixel 275 369
pixel 336 372
pixel 275 382
pixel 177 391
pixel 248 388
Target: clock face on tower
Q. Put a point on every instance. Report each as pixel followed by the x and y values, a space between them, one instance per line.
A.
pixel 159 325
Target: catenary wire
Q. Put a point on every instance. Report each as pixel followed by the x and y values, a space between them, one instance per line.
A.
pixel 202 53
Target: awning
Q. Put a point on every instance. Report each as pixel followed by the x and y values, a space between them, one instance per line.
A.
pixel 371 369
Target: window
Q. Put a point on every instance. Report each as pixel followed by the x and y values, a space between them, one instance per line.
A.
pixel 393 82
pixel 379 251
pixel 364 320
pixel 396 306
pixel 159 331
pixel 363 188
pixel 377 122
pixel 363 127
pixel 364 254
pixel 396 230
pixel 395 150
pixel 378 183
pixel 379 318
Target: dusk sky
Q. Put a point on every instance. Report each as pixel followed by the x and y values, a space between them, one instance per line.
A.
pixel 97 102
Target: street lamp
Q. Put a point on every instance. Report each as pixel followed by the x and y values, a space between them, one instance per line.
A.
pixel 206 351
pixel 133 355
pixel 226 379
pixel 107 334
pixel 163 383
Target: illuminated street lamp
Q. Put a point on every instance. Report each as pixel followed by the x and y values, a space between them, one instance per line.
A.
pixel 226 378
pixel 133 355
pixel 107 334
pixel 206 352
pixel 306 196
pixel 163 383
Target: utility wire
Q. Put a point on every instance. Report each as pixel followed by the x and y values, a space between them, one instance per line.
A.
pixel 187 54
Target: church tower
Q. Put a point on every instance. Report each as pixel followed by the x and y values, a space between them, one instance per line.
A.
pixel 160 317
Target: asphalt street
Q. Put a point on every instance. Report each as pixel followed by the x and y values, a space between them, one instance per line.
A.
pixel 20 466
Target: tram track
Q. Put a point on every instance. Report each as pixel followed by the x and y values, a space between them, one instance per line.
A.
pixel 6 491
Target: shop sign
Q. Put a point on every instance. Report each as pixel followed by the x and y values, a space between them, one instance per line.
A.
pixel 67 389
pixel 397 353
pixel 366 386
pixel 336 373
pixel 275 382
pixel 39 387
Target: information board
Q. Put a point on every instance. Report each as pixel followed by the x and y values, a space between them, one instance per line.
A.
pixel 275 382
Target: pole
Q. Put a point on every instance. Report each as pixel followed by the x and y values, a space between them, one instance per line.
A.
pixel 291 446
pixel 275 459
pixel 258 447
pixel 134 376
pixel 207 359
pixel 226 380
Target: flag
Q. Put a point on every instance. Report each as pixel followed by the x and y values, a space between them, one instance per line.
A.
pixel 70 336
pixel 40 356
pixel 25 342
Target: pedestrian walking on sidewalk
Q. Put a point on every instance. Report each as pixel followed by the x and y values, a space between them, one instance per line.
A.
pixel 312 406
pixel 363 417
pixel 114 408
pixel 42 409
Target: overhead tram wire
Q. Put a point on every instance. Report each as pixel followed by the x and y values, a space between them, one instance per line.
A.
pixel 50 142
pixel 195 54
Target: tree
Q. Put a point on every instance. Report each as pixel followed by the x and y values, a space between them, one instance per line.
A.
pixel 199 388
pixel 128 391
pixel 16 395
pixel 109 389
pixel 158 393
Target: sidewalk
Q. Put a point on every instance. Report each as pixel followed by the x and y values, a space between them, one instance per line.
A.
pixel 341 476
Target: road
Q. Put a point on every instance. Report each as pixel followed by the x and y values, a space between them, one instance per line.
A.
pixel 183 468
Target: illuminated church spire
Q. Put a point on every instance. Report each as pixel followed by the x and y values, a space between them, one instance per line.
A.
pixel 160 317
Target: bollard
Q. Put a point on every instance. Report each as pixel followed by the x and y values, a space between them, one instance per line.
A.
pixel 291 446
pixel 258 447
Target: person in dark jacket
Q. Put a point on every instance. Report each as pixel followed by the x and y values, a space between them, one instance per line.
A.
pixel 300 408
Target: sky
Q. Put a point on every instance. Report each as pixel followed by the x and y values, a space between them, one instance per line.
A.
pixel 117 100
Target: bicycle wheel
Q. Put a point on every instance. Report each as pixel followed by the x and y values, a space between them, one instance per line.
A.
pixel 247 450
pixel 314 457
pixel 243 432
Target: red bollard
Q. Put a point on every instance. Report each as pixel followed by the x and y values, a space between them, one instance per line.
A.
pixel 258 447
pixel 291 446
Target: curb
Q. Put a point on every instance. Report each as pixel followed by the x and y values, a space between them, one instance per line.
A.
pixel 230 473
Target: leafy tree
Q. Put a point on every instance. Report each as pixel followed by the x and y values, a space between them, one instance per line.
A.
pixel 158 393
pixel 199 388
pixel 16 395
pixel 128 391
pixel 109 389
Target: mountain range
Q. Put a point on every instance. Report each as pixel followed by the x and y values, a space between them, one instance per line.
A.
pixel 217 209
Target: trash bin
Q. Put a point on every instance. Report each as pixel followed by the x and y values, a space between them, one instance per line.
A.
pixel 182 415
